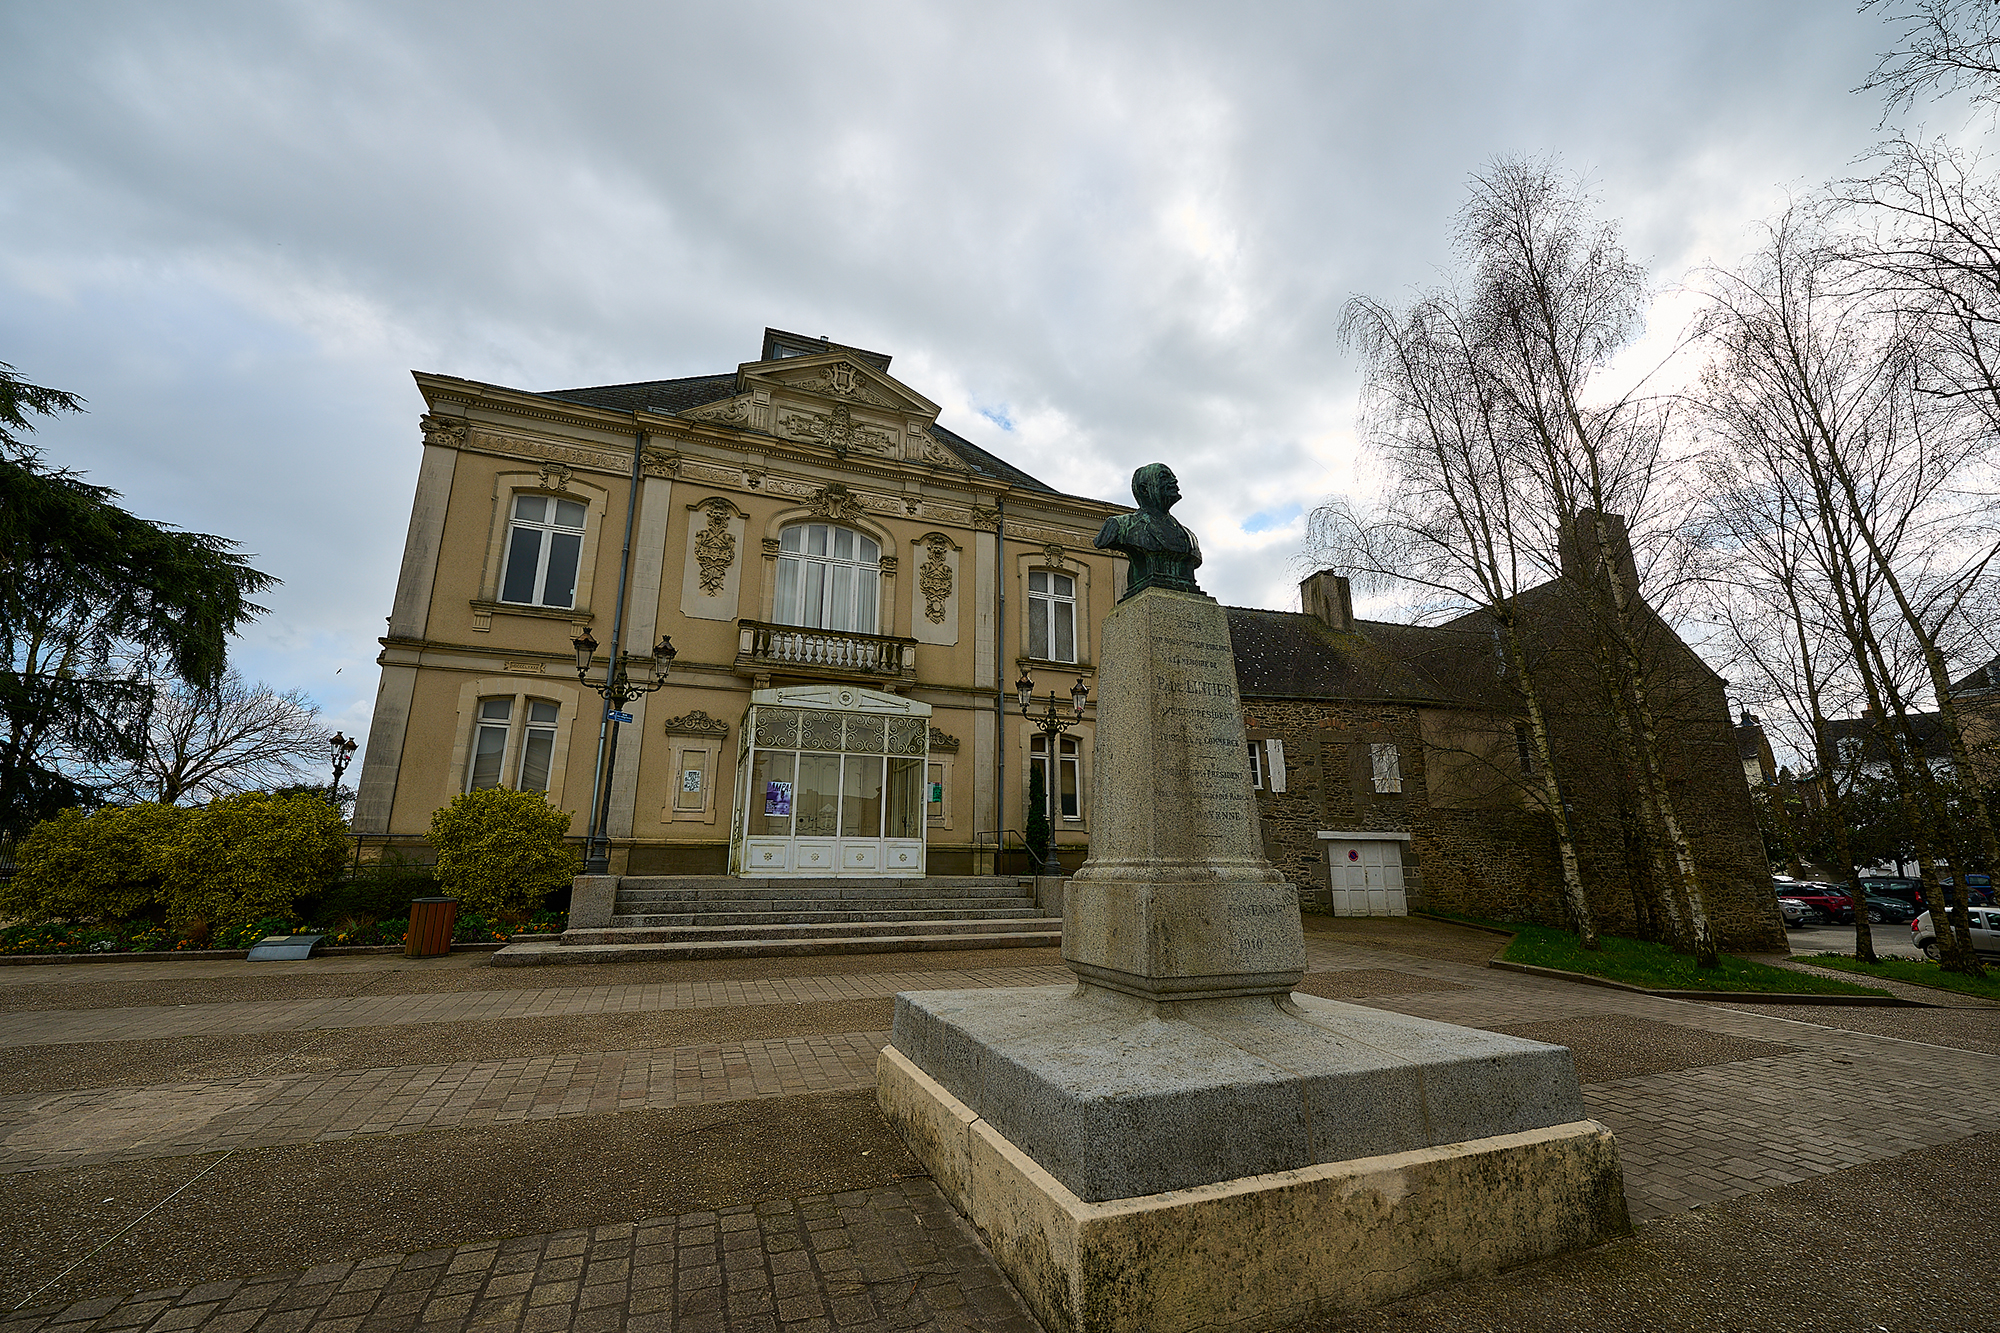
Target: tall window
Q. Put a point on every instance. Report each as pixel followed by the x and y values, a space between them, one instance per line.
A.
pixel 1387 762
pixel 539 746
pixel 1524 746
pixel 544 542
pixel 1256 766
pixel 489 745
pixel 1051 616
pixel 828 578
pixel 1066 785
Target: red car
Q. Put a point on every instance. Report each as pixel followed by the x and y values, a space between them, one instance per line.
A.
pixel 1827 901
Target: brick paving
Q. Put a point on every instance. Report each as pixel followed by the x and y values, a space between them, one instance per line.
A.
pixel 896 1258
pixel 41 1132
pixel 139 1023
pixel 1827 1098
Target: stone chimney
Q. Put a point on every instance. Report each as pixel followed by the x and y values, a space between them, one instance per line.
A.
pixel 1579 549
pixel 1326 598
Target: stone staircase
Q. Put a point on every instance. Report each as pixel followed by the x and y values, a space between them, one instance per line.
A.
pixel 716 916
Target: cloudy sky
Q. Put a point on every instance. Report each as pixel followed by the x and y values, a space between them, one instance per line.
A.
pixel 1100 234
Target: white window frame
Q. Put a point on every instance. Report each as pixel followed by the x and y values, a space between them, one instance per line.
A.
pixel 516 730
pixel 1070 760
pixel 1049 608
pixel 498 726
pixel 1256 766
pixel 864 572
pixel 548 530
pixel 1386 762
pixel 531 727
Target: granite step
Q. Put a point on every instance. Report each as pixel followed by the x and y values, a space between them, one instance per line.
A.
pixel 827 889
pixel 628 902
pixel 632 919
pixel 539 953
pixel 805 930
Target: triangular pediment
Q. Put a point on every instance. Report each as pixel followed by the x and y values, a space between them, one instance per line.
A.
pixel 839 377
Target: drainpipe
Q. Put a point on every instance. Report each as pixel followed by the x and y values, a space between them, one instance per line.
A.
pixel 597 850
pixel 999 680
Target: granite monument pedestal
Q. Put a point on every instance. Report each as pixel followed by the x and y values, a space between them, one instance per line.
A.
pixel 1178 1142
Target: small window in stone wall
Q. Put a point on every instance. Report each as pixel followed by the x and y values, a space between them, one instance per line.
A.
pixel 1387 763
pixel 1524 746
pixel 1256 766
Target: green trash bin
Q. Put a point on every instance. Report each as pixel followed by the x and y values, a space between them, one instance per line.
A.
pixel 431 920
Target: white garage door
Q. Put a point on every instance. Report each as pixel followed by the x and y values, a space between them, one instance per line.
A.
pixel 1366 877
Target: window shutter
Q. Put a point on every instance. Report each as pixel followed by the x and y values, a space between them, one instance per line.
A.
pixel 1274 754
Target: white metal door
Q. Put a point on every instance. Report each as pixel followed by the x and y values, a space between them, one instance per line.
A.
pixel 1366 878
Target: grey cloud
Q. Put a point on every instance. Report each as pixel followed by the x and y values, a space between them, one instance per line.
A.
pixel 236 227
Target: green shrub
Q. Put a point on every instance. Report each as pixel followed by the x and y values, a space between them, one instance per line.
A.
pixel 107 865
pixel 252 857
pixel 379 891
pixel 500 852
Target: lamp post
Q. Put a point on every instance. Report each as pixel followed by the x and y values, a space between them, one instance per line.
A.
pixel 1052 725
pixel 618 689
pixel 343 752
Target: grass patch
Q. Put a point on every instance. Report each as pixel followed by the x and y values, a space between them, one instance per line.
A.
pixel 1914 972
pixel 1656 967
pixel 1462 919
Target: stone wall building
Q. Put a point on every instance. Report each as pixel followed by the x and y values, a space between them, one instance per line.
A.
pixel 859 584
pixel 1394 766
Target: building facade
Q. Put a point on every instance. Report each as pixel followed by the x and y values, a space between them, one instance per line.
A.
pixel 851 589
pixel 1394 768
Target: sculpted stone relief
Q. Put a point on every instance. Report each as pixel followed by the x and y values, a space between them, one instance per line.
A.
pixel 695 722
pixel 443 431
pixel 729 412
pixel 837 430
pixel 942 740
pixel 714 546
pixel 555 477
pixel 934 576
pixel 511 446
pixel 835 502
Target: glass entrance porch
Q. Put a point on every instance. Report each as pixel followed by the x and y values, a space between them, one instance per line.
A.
pixel 832 791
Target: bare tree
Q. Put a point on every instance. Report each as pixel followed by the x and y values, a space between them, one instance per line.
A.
pixel 1834 488
pixel 1554 299
pixel 1943 46
pixel 1454 524
pixel 235 737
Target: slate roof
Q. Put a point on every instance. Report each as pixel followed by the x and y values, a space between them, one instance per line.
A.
pixel 675 396
pixel 652 395
pixel 1290 655
pixel 1982 678
pixel 1926 728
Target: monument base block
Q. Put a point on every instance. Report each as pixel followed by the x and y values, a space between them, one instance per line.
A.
pixel 1260 1252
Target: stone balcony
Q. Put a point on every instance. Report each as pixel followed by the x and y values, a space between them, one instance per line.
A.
pixel 764 651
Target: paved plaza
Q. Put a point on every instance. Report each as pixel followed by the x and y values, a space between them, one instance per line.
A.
pixel 376 1143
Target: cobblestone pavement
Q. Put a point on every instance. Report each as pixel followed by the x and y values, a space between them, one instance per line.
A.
pixel 1690 1131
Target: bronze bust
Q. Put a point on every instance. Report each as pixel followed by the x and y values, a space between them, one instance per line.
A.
pixel 1163 553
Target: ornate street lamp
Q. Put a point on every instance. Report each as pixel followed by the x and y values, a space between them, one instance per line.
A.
pixel 1052 725
pixel 343 753
pixel 619 688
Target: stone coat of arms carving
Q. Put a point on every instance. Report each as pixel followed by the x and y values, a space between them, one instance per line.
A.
pixel 934 576
pixel 835 502
pixel 715 545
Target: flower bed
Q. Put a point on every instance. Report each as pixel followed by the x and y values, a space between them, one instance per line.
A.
pixel 72 937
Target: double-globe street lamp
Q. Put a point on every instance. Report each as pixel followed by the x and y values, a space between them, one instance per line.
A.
pixel 1052 725
pixel 618 689
pixel 343 753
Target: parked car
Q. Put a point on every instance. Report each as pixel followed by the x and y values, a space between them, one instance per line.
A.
pixel 1794 912
pixel 1978 889
pixel 1826 902
pixel 1985 931
pixel 1893 910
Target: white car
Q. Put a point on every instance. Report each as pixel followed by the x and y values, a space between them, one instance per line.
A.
pixel 1794 912
pixel 1985 924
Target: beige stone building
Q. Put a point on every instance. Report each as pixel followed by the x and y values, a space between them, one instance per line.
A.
pixel 852 591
